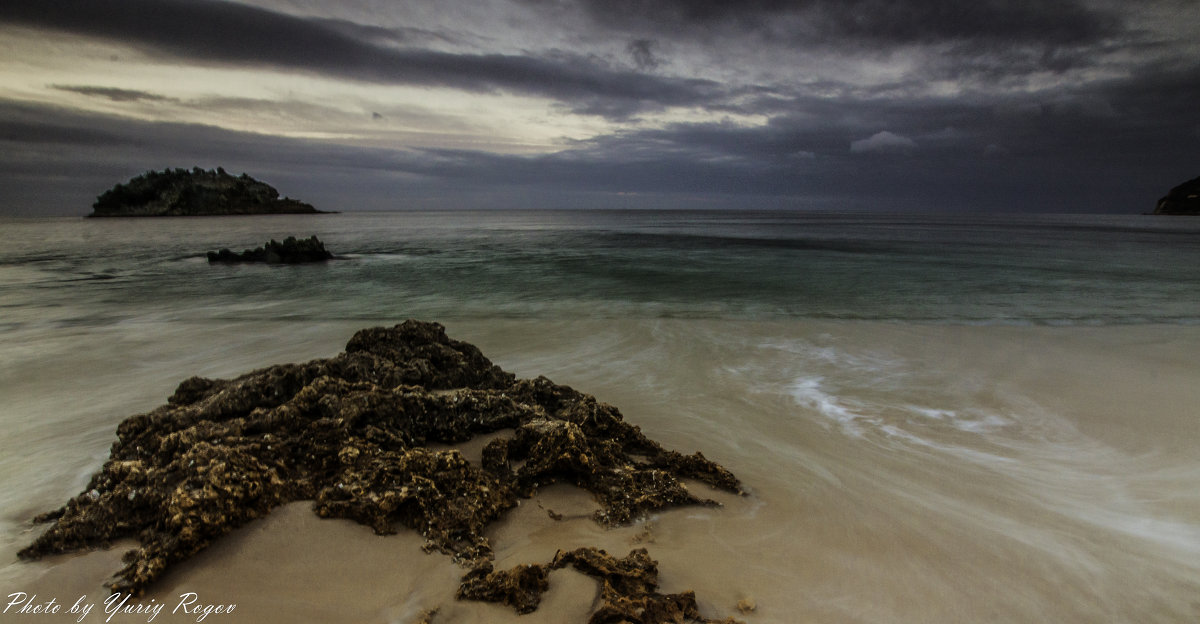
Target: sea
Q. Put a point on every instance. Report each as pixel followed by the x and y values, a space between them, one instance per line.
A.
pixel 938 418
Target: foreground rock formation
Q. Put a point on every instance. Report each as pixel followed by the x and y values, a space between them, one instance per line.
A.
pixel 290 251
pixel 179 192
pixel 351 434
pixel 628 588
pixel 1181 200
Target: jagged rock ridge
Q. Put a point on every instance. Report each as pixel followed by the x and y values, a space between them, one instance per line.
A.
pixel 351 434
pixel 290 251
pixel 1181 200
pixel 180 192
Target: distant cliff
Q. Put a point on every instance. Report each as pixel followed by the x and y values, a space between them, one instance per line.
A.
pixel 179 192
pixel 1181 200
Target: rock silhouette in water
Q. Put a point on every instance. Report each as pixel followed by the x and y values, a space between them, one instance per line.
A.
pixel 180 192
pixel 1181 200
pixel 351 434
pixel 290 251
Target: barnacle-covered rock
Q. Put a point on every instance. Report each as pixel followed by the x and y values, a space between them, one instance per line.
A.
pixel 628 588
pixel 520 587
pixel 352 434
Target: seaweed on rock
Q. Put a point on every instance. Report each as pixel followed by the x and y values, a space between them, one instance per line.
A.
pixel 628 588
pixel 351 434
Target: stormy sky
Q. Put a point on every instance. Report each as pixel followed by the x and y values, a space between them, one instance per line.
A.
pixel 952 105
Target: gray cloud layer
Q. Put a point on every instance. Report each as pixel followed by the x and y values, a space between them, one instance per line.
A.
pixel 216 32
pixel 1054 105
pixel 877 20
pixel 110 93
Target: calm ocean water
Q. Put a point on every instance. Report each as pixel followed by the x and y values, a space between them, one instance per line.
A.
pixel 745 265
pixel 940 418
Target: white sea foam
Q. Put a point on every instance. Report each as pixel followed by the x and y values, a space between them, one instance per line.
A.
pixel 807 392
pixel 1031 451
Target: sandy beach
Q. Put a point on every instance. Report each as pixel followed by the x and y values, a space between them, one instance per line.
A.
pixel 599 312
pixel 949 473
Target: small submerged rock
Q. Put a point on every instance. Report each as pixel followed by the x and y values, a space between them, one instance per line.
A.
pixel 351 433
pixel 290 251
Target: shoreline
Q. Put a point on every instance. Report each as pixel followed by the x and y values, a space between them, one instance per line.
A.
pixel 1032 462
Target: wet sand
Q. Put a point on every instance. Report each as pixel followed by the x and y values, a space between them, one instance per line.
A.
pixel 898 473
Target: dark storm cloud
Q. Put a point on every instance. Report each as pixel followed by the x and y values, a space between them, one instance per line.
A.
pixel 1023 156
pixel 905 21
pixel 984 40
pixel 924 21
pixel 211 32
pixel 642 51
pixel 21 133
pixel 1111 149
pixel 381 35
pixel 1158 94
pixel 56 160
pixel 23 125
pixel 1072 141
pixel 114 94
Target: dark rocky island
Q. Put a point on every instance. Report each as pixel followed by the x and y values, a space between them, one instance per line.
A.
pixel 179 193
pixel 1181 200
pixel 352 433
pixel 290 251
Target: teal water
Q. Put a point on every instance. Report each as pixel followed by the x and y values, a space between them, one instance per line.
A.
pixel 1075 269
pixel 940 418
